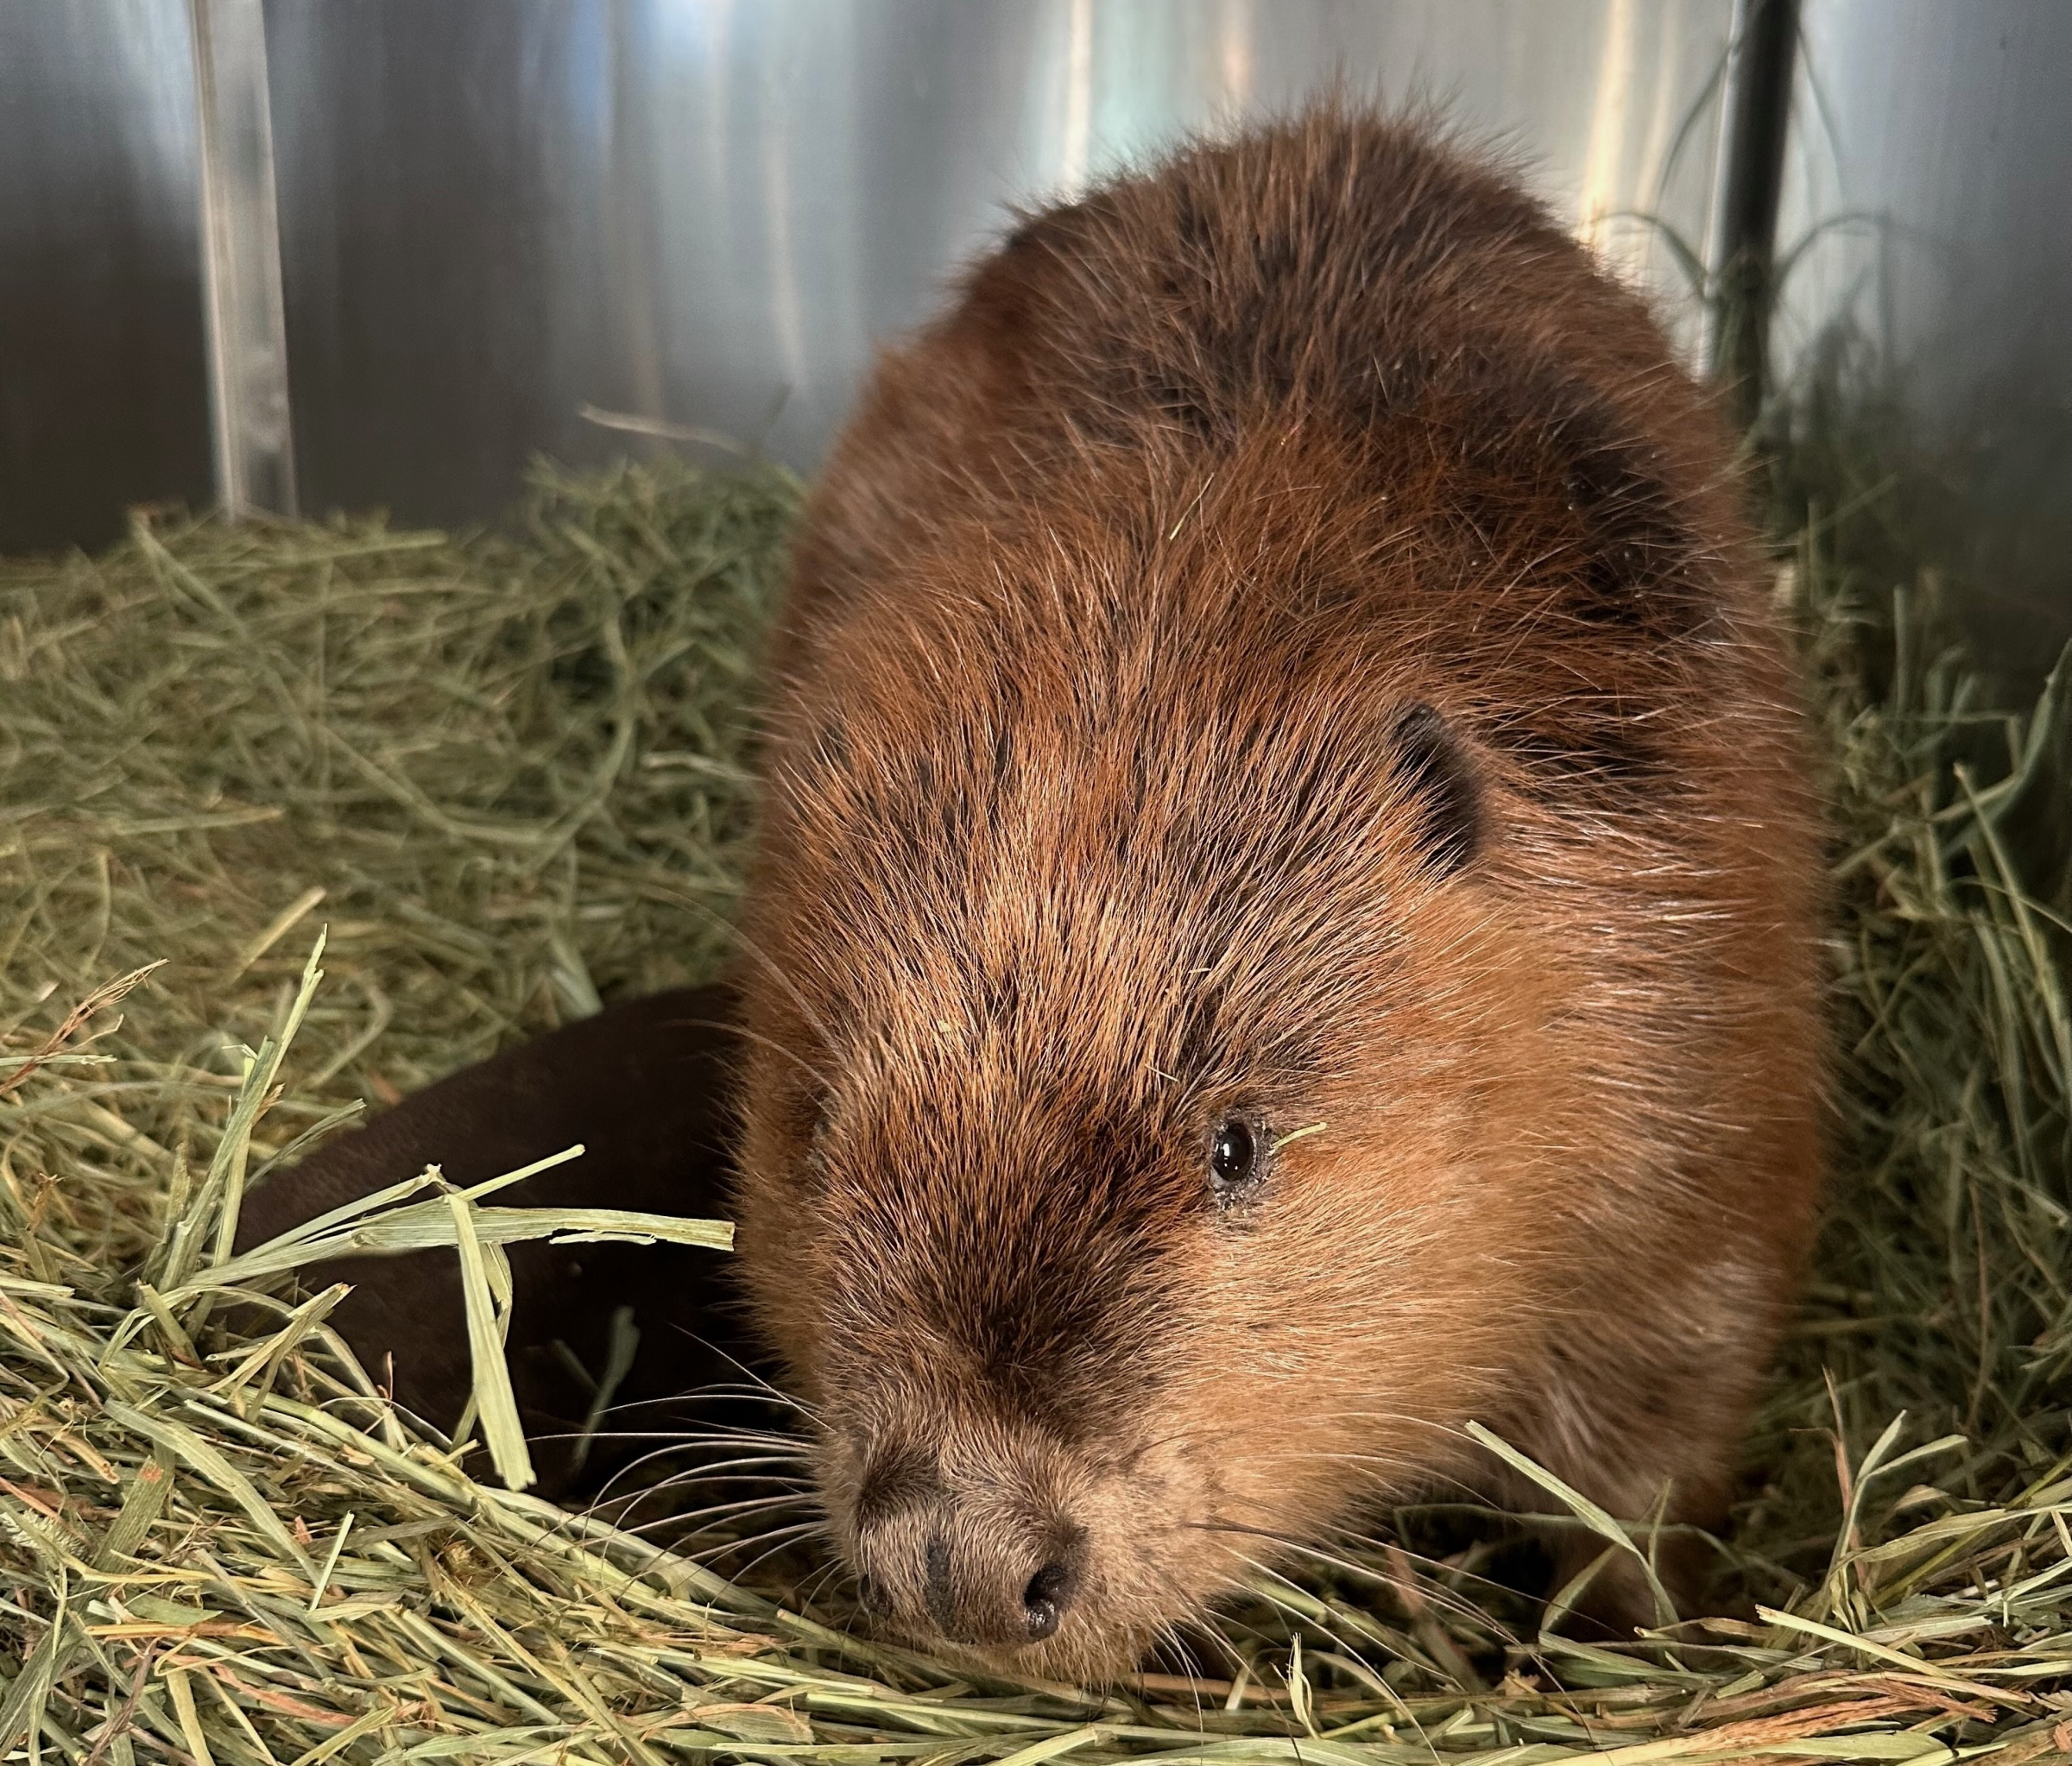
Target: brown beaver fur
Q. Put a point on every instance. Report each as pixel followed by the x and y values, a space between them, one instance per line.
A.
pixel 644 1085
pixel 1286 915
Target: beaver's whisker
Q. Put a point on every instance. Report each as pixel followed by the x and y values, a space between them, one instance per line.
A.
pixel 743 1468
pixel 1434 1593
pixel 744 1505
pixel 752 1384
pixel 732 1390
pixel 816 1584
pixel 1298 1615
pixel 1297 1548
pixel 611 1484
pixel 736 935
pixel 1168 1637
pixel 770 1043
pixel 686 1524
pixel 733 1489
pixel 690 1484
pixel 775 1541
pixel 686 1439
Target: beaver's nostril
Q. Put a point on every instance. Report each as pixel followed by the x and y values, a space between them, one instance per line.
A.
pixel 966 1575
pixel 1042 1601
pixel 941 1595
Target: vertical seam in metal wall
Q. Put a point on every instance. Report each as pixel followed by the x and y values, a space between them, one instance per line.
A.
pixel 244 305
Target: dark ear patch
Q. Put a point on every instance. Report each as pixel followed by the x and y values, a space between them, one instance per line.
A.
pixel 1640 551
pixel 1546 451
pixel 1435 766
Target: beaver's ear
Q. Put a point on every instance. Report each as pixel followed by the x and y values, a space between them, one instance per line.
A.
pixel 1436 767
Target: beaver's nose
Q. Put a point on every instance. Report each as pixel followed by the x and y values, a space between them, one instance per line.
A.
pixel 976 1595
pixel 973 1574
pixel 1044 1598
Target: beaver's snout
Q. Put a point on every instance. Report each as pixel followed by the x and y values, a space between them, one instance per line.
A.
pixel 983 1565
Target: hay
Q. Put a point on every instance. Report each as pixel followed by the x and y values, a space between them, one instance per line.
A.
pixel 506 773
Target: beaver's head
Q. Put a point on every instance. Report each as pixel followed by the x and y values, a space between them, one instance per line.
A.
pixel 1140 1033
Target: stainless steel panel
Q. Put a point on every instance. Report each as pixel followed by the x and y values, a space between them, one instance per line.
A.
pixel 1929 185
pixel 452 181
pixel 240 261
pixel 103 400
pixel 496 213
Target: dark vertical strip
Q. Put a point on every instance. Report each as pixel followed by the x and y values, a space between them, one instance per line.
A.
pixel 1759 115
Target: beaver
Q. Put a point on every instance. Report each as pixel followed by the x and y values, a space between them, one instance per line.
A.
pixel 1287 913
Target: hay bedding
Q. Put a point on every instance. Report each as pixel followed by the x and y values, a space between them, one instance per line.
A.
pixel 506 775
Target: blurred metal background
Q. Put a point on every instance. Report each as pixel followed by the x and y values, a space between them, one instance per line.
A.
pixel 103 383
pixel 1927 215
pixel 496 214
pixel 510 226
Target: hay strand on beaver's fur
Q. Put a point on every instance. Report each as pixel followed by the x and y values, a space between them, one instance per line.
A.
pixel 507 775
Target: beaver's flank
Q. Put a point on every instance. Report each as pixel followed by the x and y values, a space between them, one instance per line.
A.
pixel 1286 911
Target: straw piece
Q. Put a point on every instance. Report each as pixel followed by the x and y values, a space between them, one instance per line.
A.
pixel 487 1324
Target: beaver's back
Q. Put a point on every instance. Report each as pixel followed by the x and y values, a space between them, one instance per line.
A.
pixel 1504 428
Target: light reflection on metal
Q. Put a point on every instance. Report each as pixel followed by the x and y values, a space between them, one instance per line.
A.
pixel 709 214
pixel 104 394
pixel 1078 97
pixel 1611 116
pixel 1924 216
pixel 240 261
pixel 699 217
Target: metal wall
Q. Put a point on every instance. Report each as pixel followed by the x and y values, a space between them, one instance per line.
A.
pixel 1928 208
pixel 1930 188
pixel 103 392
pixel 496 214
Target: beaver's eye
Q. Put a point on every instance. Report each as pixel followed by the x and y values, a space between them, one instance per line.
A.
pixel 1233 1158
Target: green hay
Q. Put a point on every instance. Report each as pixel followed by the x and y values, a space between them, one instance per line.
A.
pixel 507 775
